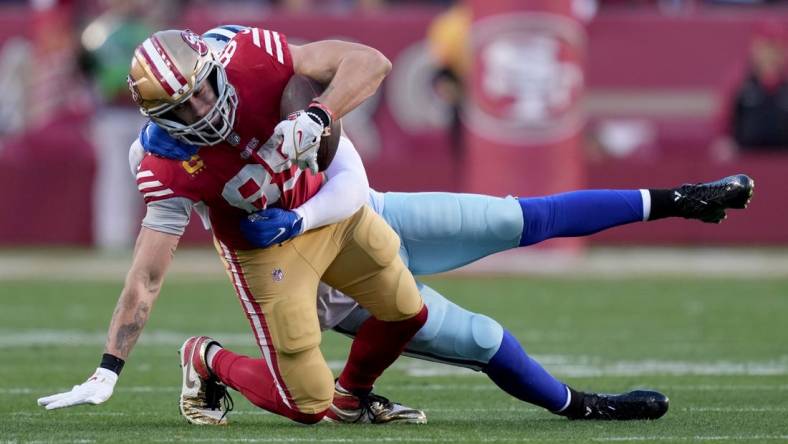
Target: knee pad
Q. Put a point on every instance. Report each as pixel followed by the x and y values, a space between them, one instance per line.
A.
pixel 455 335
pixel 405 302
pixel 408 299
pixel 504 218
pixel 487 335
pixel 295 325
pixel 375 238
pixel 295 334
pixel 308 379
pixel 370 271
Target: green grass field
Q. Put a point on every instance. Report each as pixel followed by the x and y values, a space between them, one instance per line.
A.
pixel 718 348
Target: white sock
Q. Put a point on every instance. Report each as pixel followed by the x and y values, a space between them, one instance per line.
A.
pixel 213 349
pixel 568 401
pixel 339 388
pixel 646 197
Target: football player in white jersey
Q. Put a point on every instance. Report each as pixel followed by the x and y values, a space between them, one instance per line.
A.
pixel 442 231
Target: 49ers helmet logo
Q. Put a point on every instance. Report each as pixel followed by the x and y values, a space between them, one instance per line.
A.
pixel 135 93
pixel 195 42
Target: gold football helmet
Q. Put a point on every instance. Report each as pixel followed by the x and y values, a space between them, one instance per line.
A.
pixel 166 70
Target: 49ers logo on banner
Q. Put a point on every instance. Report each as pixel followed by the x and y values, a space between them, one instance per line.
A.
pixel 195 42
pixel 528 78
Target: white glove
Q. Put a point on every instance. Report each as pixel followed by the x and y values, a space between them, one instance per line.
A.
pixel 300 139
pixel 97 389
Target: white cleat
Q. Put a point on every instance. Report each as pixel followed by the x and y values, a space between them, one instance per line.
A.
pixel 204 400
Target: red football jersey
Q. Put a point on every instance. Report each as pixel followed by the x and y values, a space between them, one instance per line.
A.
pixel 251 174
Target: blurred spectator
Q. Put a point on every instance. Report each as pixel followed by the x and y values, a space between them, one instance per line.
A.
pixel 448 43
pixel 745 2
pixel 108 44
pixel 757 118
pixel 16 68
pixel 336 6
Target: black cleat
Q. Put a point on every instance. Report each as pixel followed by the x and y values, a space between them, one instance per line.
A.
pixel 708 201
pixel 638 404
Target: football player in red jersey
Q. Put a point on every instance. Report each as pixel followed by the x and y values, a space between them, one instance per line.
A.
pixel 248 161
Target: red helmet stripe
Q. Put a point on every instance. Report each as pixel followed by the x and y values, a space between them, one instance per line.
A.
pixel 168 61
pixel 162 81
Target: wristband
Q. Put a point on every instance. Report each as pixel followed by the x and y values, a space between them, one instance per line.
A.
pixel 320 114
pixel 112 363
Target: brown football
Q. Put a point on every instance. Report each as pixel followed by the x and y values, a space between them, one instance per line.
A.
pixel 298 94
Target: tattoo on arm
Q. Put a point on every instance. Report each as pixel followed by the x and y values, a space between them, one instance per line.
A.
pixel 152 255
pixel 128 333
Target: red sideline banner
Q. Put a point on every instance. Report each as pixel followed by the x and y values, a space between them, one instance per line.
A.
pixel 523 115
pixel 401 130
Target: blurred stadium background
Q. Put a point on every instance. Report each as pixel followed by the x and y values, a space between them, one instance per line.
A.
pixel 499 97
pixel 610 94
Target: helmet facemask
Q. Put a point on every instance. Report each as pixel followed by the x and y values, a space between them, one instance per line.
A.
pixel 216 125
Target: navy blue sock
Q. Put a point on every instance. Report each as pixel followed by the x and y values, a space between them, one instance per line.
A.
pixel 519 375
pixel 578 213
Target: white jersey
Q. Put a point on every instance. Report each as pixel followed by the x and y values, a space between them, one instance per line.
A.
pixel 333 306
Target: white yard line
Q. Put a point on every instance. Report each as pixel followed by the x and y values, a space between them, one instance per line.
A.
pixel 203 264
pixel 523 408
pixel 594 367
pixel 720 387
pixel 313 439
pixel 577 366
pixel 120 389
pixel 735 409
pixel 75 338
pixel 698 438
pixel 638 262
pixel 41 391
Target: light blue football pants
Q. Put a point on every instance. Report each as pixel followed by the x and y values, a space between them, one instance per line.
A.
pixel 441 232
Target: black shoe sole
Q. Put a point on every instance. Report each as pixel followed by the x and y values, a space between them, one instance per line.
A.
pixel 638 405
pixel 749 187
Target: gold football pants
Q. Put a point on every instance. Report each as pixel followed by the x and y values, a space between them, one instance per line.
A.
pixel 277 287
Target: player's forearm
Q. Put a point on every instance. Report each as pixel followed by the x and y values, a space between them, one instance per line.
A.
pixel 334 203
pixel 131 314
pixel 357 77
pixel 152 256
pixel 345 191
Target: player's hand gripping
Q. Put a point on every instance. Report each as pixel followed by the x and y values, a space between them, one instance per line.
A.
pixel 97 389
pixel 301 134
pixel 271 226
